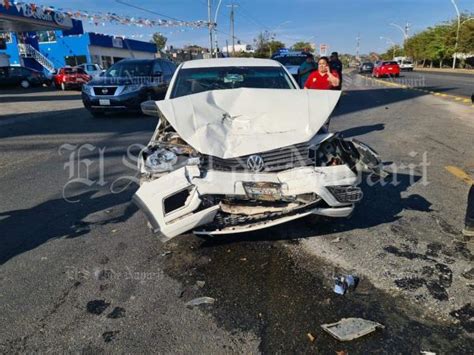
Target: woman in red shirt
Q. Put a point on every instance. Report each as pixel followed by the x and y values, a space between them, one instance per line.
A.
pixel 323 78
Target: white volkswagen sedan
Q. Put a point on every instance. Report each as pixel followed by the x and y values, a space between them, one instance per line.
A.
pixel 239 147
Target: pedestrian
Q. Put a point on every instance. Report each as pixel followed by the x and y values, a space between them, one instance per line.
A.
pixel 468 230
pixel 336 65
pixel 323 78
pixel 306 68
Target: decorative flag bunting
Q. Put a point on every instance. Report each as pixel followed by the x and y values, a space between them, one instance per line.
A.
pixel 100 18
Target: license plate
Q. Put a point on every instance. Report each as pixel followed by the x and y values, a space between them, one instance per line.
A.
pixel 390 68
pixel 263 191
pixel 104 102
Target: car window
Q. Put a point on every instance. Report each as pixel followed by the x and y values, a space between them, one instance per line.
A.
pixel 169 67
pixel 127 68
pixel 157 68
pixel 291 60
pixel 390 63
pixel 91 68
pixel 192 81
pixel 80 71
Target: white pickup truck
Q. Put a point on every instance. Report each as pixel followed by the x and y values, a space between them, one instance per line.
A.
pixel 404 63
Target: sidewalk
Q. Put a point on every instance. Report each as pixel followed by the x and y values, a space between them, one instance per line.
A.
pixel 444 70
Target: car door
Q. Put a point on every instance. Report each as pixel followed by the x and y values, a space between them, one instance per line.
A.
pixel 16 75
pixel 4 77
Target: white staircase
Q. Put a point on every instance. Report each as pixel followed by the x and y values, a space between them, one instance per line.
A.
pixel 28 51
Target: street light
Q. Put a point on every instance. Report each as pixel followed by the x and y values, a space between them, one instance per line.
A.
pixel 404 31
pixel 457 33
pixel 389 40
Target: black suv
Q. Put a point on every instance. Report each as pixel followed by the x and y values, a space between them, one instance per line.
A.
pixel 126 84
pixel 21 76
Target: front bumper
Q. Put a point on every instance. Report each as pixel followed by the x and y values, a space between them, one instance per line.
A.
pixel 195 211
pixel 130 101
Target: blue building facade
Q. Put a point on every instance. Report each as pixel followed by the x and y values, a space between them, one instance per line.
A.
pixel 73 47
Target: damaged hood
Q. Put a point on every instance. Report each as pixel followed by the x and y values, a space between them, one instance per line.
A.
pixel 232 123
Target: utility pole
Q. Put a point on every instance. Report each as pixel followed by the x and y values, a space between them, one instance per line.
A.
pixel 357 46
pixel 232 6
pixel 210 24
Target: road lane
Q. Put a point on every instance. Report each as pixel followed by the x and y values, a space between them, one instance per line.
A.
pixel 447 83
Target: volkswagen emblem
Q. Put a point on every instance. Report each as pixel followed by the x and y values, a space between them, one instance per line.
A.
pixel 105 91
pixel 255 163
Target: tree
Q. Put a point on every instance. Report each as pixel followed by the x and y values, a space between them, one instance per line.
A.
pixel 159 40
pixel 265 45
pixel 393 51
pixel 302 46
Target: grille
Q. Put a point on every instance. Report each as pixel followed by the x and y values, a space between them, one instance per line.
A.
pixel 274 160
pixel 99 91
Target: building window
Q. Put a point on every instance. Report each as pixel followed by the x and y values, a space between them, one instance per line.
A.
pixel 7 36
pixel 74 60
pixel 46 36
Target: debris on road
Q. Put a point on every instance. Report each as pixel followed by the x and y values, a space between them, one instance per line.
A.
pixel 345 283
pixel 337 240
pixel 342 352
pixel 427 353
pixel 97 306
pixel 351 328
pixel 168 252
pixel 311 337
pixel 200 300
pixel 200 284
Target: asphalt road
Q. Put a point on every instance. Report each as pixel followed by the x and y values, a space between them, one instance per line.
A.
pixel 448 83
pixel 80 272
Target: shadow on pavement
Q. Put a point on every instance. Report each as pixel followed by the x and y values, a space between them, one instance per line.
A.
pixel 74 121
pixel 361 130
pixel 11 99
pixel 24 230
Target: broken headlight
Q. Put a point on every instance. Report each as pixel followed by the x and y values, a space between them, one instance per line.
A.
pixel 161 160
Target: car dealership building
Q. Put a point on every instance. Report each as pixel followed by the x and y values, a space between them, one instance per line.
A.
pixel 47 40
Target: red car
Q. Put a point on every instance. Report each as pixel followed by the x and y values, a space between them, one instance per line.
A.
pixel 71 78
pixel 386 68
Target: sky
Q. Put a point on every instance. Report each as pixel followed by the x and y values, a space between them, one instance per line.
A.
pixel 334 23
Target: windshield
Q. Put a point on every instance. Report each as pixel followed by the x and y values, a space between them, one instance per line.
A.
pixel 129 69
pixel 192 81
pixel 291 60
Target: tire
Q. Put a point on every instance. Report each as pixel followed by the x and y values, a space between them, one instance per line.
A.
pixel 25 84
pixel 63 87
pixel 397 75
pixel 97 114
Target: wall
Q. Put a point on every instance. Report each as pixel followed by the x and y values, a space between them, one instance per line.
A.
pixel 12 51
pixel 65 46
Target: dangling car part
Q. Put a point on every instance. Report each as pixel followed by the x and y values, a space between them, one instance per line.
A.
pixel 226 158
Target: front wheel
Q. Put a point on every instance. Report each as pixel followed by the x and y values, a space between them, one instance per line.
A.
pixel 25 84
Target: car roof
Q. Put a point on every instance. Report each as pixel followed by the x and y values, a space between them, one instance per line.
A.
pixel 230 62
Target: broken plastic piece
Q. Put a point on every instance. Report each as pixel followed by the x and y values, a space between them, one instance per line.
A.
pixel 345 283
pixel 351 328
pixel 200 300
pixel 311 337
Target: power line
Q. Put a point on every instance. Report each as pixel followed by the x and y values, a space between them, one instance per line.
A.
pixel 147 10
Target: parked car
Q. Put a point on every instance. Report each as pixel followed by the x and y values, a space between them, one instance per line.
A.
pixel 67 78
pixel 240 147
pixel 21 76
pixel 366 67
pixel 386 68
pixel 91 69
pixel 126 84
